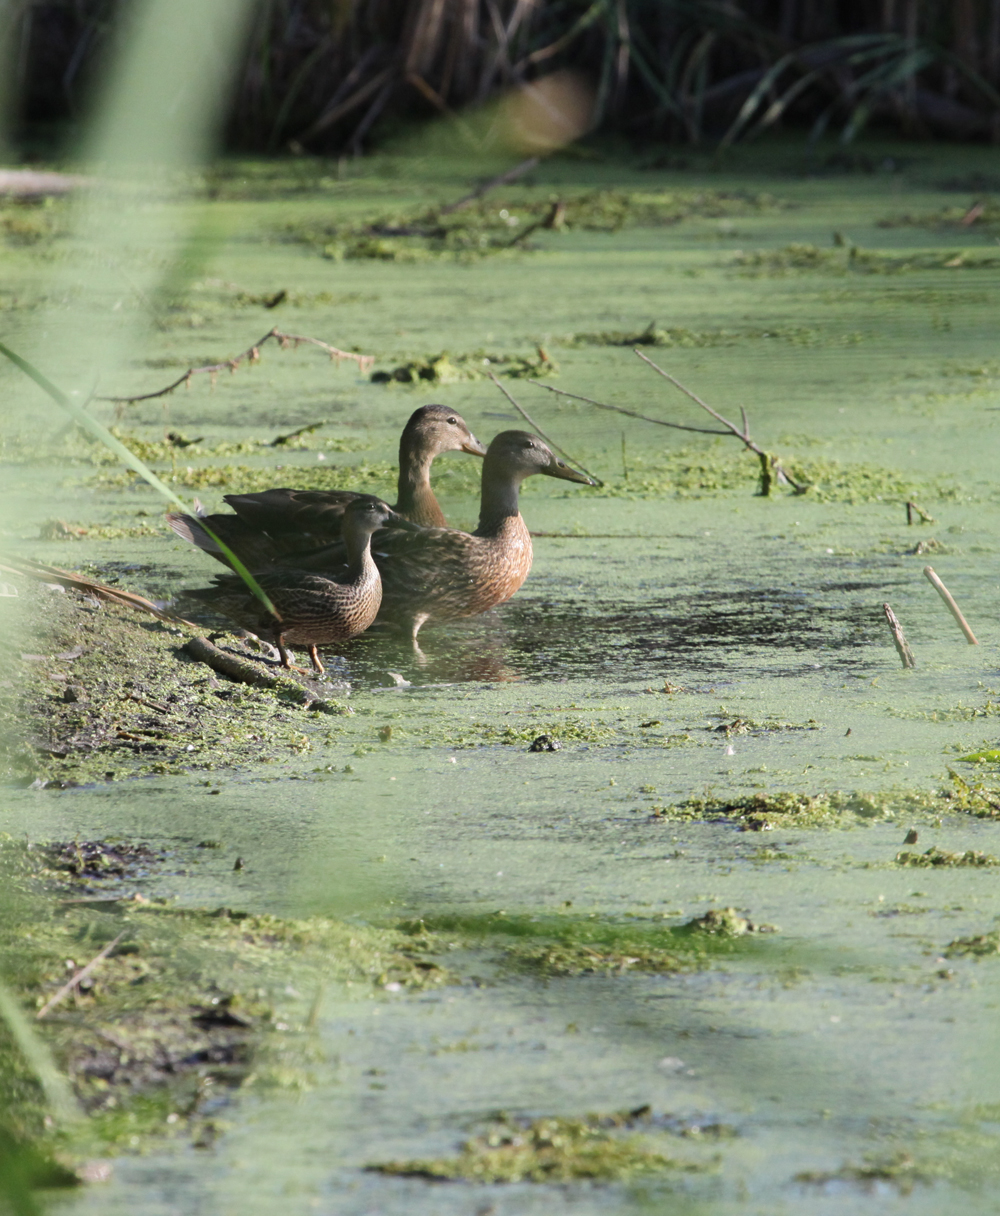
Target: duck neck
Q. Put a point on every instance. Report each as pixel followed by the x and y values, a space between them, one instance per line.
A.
pixel 360 563
pixel 499 500
pixel 414 497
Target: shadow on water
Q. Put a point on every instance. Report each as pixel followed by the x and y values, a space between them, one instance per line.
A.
pixel 705 633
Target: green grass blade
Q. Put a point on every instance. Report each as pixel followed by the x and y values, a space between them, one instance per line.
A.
pixel 38 1058
pixel 121 451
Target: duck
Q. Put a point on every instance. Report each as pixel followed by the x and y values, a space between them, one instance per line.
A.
pixel 312 609
pixel 274 525
pixel 443 574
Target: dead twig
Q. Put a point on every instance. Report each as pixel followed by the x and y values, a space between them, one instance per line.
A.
pixel 252 355
pixel 953 608
pixel 502 179
pixel 767 461
pixel 538 430
pixel 902 646
pixel 913 510
pixel 620 409
pixel 82 974
pixel 303 430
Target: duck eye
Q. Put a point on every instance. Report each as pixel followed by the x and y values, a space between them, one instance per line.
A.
pixel 453 422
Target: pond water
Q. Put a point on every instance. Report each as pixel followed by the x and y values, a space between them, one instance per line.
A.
pixel 683 638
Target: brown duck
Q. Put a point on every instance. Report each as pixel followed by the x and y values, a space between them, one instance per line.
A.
pixel 276 524
pixel 441 574
pixel 312 609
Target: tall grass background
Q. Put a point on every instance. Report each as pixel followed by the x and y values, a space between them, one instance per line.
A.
pixel 333 75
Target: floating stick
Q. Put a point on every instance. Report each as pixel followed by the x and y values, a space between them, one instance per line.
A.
pixel 902 647
pixel 913 510
pixel 82 974
pixel 953 608
pixel 535 427
pixel 252 355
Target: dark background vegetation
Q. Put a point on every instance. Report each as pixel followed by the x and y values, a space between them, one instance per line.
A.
pixel 331 76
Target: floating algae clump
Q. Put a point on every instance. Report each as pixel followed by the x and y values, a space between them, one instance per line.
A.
pixel 972 798
pixel 454 369
pixel 578 958
pixel 787 809
pixel 690 472
pixel 774 263
pixel 560 946
pixel 760 812
pixel 502 225
pixel 941 857
pixel 724 922
pixel 980 945
pixel 543 1150
pixel 899 1170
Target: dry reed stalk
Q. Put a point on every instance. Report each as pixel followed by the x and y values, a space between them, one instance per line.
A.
pixel 953 608
pixel 675 69
pixel 535 427
pixel 45 573
pixel 902 646
pixel 82 974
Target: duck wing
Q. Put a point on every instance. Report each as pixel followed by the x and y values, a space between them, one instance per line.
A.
pixel 269 528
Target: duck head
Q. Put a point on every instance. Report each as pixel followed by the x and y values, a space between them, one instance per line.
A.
pixel 366 514
pixel 434 429
pixel 518 454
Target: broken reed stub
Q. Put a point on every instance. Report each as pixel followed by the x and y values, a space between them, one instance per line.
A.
pixel 902 646
pixel 953 608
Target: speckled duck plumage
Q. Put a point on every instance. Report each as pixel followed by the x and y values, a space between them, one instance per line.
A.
pixel 275 525
pixel 313 609
pixel 442 574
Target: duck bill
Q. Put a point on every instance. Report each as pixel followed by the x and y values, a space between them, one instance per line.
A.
pixel 473 446
pixel 397 521
pixel 559 468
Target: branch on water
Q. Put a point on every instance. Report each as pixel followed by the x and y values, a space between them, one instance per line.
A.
pixel 769 465
pixel 535 427
pixel 82 974
pixel 620 409
pixel 502 179
pixel 251 355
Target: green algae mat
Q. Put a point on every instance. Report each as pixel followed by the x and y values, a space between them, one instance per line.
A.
pixel 663 888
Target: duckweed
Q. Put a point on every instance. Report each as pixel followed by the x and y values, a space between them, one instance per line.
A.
pixel 941 857
pixel 724 922
pixel 653 335
pixel 549 1150
pixel 802 258
pixel 502 225
pixel 899 1170
pixel 189 998
pixel 453 369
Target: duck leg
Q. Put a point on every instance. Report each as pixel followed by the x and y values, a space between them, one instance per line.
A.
pixel 286 661
pixel 316 662
pixel 415 624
